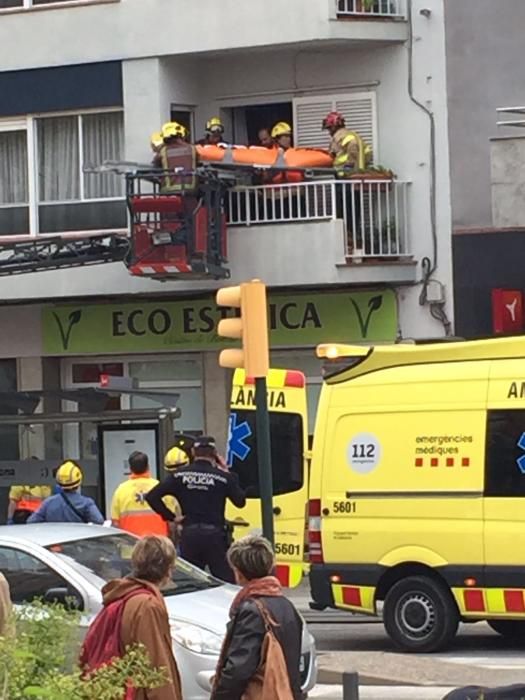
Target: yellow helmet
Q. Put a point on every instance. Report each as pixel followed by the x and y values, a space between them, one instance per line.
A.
pixel 281 129
pixel 215 124
pixel 171 129
pixel 156 140
pixel 174 458
pixel 69 475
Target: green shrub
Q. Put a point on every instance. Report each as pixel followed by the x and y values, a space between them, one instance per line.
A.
pixel 38 660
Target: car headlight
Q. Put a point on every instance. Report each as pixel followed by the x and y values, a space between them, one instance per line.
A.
pixel 197 639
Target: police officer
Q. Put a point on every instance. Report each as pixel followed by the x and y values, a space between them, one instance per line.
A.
pixel 202 488
pixel 68 506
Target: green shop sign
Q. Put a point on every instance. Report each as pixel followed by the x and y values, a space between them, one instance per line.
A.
pixel 147 326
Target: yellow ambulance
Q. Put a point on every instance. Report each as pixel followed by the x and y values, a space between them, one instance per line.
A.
pixel 289 445
pixel 417 487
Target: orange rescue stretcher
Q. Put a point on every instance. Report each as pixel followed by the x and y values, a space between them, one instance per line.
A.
pixel 266 157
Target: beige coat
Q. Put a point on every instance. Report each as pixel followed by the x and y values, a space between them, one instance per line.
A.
pixel 145 621
pixel 5 603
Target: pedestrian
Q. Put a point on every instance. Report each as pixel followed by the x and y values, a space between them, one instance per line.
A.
pixel 129 509
pixel 24 500
pixel 258 608
pixel 69 505
pixel 265 138
pixel 144 617
pixel 5 605
pixel 202 488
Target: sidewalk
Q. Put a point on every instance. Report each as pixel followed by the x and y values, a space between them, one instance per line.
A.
pixel 330 692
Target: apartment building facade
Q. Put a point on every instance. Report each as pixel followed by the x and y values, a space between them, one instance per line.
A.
pixel 83 81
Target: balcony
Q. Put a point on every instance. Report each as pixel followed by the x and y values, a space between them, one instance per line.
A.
pixel 373 214
pixel 370 9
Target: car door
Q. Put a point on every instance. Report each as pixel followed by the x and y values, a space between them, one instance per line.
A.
pixel 31 578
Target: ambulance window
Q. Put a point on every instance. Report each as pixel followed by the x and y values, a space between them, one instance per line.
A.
pixel 505 457
pixel 286 430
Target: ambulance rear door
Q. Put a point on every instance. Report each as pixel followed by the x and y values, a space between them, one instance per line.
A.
pixel 289 444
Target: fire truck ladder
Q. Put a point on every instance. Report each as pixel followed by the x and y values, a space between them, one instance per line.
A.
pixel 21 257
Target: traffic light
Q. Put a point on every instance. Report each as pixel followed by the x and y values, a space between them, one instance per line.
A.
pixel 251 328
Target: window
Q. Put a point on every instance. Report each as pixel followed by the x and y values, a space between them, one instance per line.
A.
pixel 359 110
pixel 287 454
pixel 70 198
pixel 306 362
pixel 504 468
pixel 53 153
pixel 14 184
pixel 4 4
pixel 68 144
pixel 109 556
pixel 29 577
pixel 182 375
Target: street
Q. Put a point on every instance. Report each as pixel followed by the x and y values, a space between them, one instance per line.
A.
pixel 353 643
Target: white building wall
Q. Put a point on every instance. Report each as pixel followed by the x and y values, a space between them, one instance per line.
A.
pixel 128 29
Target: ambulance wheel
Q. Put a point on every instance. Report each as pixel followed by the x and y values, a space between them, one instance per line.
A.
pixel 512 629
pixel 420 615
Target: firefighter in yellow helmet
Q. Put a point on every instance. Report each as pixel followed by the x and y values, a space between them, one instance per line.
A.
pixel 69 505
pixel 214 133
pixel 177 154
pixel 282 135
pixel 156 142
pixel 175 457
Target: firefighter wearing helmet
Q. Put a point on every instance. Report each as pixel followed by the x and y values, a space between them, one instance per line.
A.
pixel 346 146
pixel 214 133
pixel 176 154
pixel 282 135
pixel 69 505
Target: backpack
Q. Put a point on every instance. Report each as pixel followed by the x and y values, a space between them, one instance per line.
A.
pixel 271 680
pixel 102 643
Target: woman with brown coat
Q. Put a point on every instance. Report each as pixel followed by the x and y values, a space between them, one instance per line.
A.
pixel 145 618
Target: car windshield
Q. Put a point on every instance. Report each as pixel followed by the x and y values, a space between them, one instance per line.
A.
pixel 109 557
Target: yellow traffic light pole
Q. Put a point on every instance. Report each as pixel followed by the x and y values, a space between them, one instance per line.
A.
pixel 252 329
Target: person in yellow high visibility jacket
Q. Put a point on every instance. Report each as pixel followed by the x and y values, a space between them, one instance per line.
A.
pixel 24 500
pixel 347 147
pixel 129 509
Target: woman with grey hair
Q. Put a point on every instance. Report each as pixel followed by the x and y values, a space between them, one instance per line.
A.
pixel 259 601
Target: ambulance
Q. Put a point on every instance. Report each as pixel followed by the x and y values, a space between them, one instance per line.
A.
pixel 417 487
pixel 289 452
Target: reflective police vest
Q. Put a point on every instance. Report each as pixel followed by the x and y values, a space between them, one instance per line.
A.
pixel 131 511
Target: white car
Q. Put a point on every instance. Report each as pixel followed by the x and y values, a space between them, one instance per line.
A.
pixel 60 561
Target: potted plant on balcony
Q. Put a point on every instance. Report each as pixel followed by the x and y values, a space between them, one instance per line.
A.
pixel 375 172
pixel 380 8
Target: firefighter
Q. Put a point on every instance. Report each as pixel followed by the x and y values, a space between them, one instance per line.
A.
pixel 348 149
pixel 129 509
pixel 282 135
pixel 68 506
pixel 352 154
pixel 24 500
pixel 176 154
pixel 214 133
pixel 202 488
pixel 156 142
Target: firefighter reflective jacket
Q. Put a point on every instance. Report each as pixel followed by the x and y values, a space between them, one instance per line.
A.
pixel 182 160
pixel 348 148
pixel 29 498
pixel 130 510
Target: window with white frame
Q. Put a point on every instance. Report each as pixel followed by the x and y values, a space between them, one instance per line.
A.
pixel 358 109
pixel 67 144
pixel 45 183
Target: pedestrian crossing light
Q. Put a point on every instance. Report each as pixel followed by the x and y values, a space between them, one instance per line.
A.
pixel 251 328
